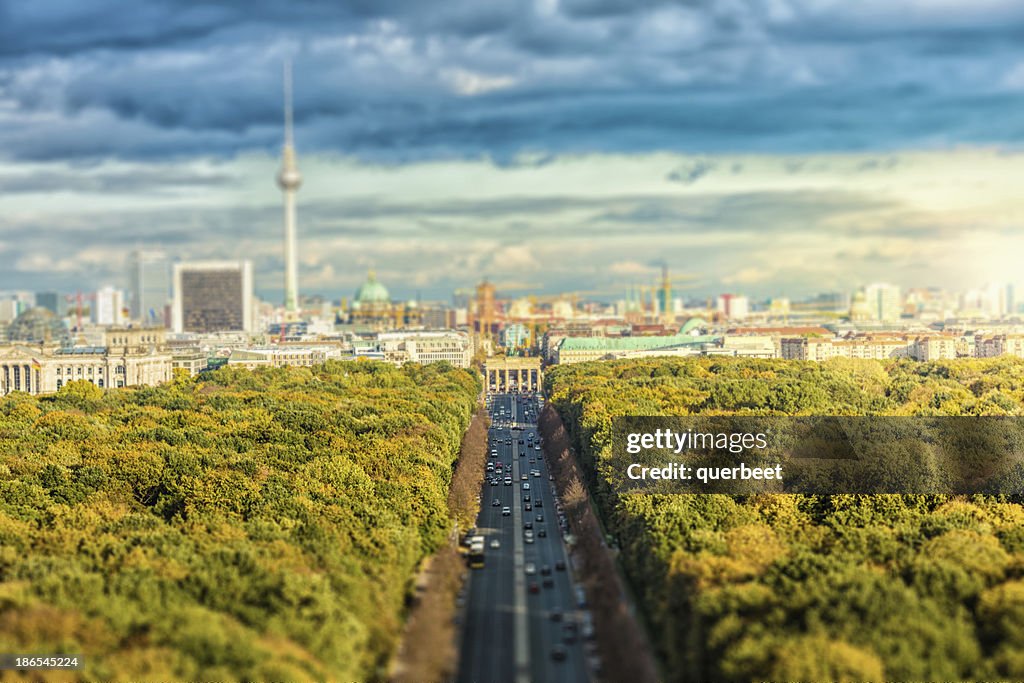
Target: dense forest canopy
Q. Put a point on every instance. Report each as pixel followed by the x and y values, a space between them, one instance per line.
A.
pixel 243 526
pixel 791 587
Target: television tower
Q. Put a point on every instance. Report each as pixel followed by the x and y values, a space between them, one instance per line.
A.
pixel 289 179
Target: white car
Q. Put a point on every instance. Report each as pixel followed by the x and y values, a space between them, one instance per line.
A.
pixel 530 568
pixel 495 543
pixel 526 487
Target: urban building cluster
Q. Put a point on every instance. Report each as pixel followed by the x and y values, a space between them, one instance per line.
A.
pixel 177 314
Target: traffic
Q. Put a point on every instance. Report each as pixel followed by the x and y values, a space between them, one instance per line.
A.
pixel 525 618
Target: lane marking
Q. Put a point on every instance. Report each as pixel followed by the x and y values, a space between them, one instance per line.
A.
pixel 522 641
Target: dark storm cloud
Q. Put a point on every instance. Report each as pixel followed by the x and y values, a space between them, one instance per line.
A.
pixel 398 80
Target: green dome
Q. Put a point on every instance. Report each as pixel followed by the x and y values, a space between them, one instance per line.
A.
pixel 372 292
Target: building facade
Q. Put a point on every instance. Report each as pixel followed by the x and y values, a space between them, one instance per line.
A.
pixel 213 296
pixel 427 347
pixel 38 370
pixel 150 285
pixel 282 356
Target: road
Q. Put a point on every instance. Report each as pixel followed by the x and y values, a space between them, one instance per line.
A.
pixel 509 631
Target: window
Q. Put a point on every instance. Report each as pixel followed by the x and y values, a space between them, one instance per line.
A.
pixel 79 370
pixel 59 383
pixel 100 384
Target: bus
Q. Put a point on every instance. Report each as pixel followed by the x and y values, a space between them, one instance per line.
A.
pixel 476 555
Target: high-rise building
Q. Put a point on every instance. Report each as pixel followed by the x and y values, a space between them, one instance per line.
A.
pixel 883 301
pixel 733 306
pixel 51 301
pixel 108 308
pixel 150 283
pixel 289 179
pixel 213 296
pixel 10 309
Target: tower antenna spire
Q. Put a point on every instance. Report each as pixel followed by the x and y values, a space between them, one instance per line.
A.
pixel 288 135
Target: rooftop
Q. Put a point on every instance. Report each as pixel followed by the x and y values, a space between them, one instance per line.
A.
pixel 632 343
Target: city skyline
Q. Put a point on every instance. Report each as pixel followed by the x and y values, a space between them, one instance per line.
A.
pixel 517 143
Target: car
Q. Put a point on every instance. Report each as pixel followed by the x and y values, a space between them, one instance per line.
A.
pixel 540 502
pixel 555 615
pixel 528 507
pixel 533 460
pixel 524 477
pixel 506 511
pixel 545 570
pixel 534 587
pixel 495 503
pixel 560 566
pixel 530 568
pixel 542 533
pixel 539 518
pixel 528 525
pixel 559 653
pixel 527 536
pixel 569 632
pixel 526 498
pixel 536 473
pixel 508 481
pixel 548 582
pixel 526 486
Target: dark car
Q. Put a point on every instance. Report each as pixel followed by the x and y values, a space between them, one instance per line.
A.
pixel 549 582
pixel 542 533
pixel 528 507
pixel 545 570
pixel 496 503
pixel 534 587
pixel 560 566
pixel 528 525
pixel 540 503
pixel 558 653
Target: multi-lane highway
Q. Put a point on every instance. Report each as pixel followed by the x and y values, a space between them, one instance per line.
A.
pixel 522 618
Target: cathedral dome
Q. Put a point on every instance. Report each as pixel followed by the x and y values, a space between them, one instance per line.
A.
pixel 36 325
pixel 372 292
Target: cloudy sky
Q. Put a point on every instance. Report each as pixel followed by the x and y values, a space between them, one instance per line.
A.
pixel 761 146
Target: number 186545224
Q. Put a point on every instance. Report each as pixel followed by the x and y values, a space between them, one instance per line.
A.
pixel 36 661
